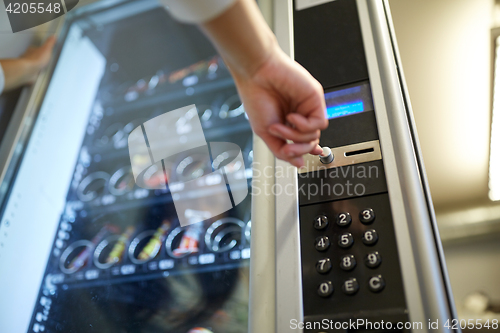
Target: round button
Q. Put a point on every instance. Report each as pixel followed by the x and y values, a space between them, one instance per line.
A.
pixel 370 237
pixel 350 286
pixel 320 222
pixel 323 266
pixel 346 240
pixel 373 259
pixel 344 219
pixel 367 216
pixel 325 288
pixel 322 243
pixel 347 262
pixel 376 283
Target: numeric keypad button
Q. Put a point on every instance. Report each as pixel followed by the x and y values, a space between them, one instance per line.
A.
pixel 373 259
pixel 347 262
pixel 325 288
pixel 320 222
pixel 350 286
pixel 345 240
pixel 367 216
pixel 322 243
pixel 370 237
pixel 344 219
pixel 324 265
pixel 376 283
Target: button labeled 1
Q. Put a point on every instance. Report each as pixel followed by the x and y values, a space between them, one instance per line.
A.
pixel 320 222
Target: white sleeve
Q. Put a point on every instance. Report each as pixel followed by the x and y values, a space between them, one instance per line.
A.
pixel 196 11
pixel 2 79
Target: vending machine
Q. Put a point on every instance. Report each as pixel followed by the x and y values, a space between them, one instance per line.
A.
pixel 347 243
pixel 357 245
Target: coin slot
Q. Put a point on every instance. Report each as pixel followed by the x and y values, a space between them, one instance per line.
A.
pixel 359 152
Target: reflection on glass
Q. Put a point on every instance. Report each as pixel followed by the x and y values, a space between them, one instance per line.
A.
pixel 121 259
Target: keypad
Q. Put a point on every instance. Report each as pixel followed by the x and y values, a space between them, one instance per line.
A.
pixel 347 261
pixel 344 219
pixel 325 288
pixel 322 243
pixel 320 222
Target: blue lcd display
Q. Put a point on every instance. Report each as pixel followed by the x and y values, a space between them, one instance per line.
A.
pixel 344 109
pixel 349 100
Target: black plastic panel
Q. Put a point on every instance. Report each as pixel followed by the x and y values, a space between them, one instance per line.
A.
pixel 328 43
pixel 356 128
pixel 365 302
pixel 342 182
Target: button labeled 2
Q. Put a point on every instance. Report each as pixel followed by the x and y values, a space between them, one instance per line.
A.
pixel 344 219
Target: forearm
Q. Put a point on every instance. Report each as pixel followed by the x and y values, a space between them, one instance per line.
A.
pixel 18 72
pixel 242 37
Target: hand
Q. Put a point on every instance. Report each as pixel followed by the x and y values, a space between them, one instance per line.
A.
pixel 37 58
pixel 284 102
pixel 24 70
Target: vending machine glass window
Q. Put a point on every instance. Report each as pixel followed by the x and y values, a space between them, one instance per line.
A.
pixel 83 248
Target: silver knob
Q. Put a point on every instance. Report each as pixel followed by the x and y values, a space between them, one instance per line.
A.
pixel 326 156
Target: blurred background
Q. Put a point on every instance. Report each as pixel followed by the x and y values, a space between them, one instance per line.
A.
pixel 447 49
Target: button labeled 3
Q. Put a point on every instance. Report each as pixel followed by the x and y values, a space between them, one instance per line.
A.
pixel 367 216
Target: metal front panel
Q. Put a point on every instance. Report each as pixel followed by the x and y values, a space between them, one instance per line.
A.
pixel 422 268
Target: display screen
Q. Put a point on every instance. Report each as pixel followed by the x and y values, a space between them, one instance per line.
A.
pixel 348 100
pixel 87 249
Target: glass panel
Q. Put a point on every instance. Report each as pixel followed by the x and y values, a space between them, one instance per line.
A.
pixel 119 260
